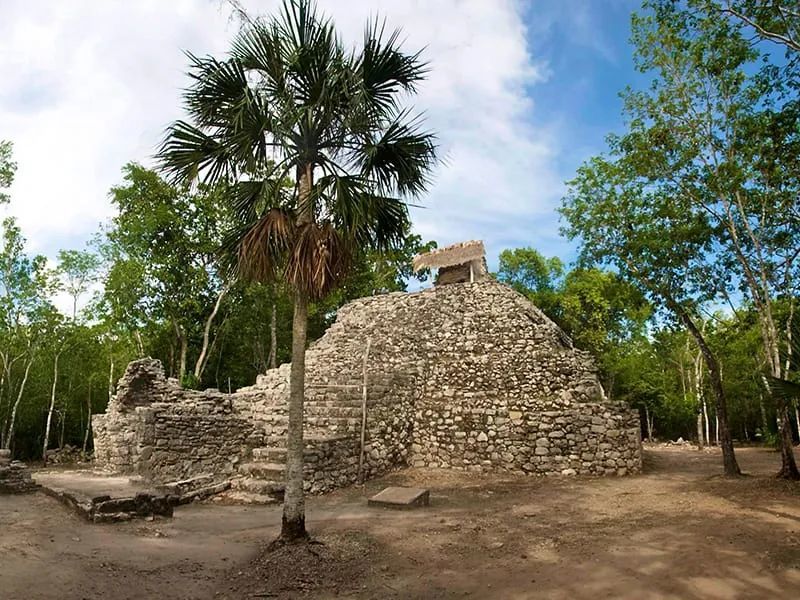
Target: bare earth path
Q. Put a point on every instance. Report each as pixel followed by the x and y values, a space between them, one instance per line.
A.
pixel 678 531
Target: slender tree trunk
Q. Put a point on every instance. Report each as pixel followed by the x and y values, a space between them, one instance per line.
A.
pixel 88 419
pixel 700 442
pixel 649 423
pixel 788 463
pixel 139 344
pixel 294 518
pixel 757 278
pixel 797 418
pixel 12 422
pixel 183 342
pixel 111 377
pixel 701 397
pixel 2 394
pixel 731 467
pixel 200 365
pixel 46 440
pixel 273 337
pixel 62 416
pixel 764 421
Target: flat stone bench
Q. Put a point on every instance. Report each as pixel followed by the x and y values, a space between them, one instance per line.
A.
pixel 401 498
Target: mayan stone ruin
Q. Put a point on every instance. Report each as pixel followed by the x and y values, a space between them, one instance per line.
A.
pixel 465 375
pixel 14 475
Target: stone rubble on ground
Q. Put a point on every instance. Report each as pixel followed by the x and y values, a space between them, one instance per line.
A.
pixel 14 476
pixel 68 455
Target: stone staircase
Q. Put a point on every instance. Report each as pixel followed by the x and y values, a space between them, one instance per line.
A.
pixel 261 480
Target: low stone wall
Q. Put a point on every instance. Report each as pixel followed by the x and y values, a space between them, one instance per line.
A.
pixel 184 440
pixel 330 464
pixel 589 440
pixel 105 509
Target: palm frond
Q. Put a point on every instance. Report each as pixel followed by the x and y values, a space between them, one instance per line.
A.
pixel 373 221
pixel 219 90
pixel 187 151
pixel 784 389
pixel 384 70
pixel 258 48
pixel 252 199
pixel 400 158
pixel 318 260
pixel 260 248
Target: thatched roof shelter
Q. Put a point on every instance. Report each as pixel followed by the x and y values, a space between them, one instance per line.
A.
pixel 450 256
pixel 459 263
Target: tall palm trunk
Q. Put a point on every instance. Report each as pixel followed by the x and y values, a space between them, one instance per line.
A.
pixel 293 524
pixel 294 515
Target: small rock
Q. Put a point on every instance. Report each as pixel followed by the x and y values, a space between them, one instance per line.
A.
pixel 495 545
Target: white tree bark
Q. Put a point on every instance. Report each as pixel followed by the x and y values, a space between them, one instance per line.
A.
pixel 200 365
pixel 50 409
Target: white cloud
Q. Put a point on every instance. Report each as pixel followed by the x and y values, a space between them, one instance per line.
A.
pixel 88 86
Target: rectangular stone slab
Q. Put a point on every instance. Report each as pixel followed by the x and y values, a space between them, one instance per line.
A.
pixel 401 497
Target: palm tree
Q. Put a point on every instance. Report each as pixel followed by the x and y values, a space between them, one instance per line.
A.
pixel 290 102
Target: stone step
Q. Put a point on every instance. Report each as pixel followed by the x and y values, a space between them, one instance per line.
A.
pixel 244 497
pixel 337 402
pixel 261 487
pixel 270 454
pixel 335 421
pixel 325 417
pixel 279 441
pixel 352 412
pixel 264 470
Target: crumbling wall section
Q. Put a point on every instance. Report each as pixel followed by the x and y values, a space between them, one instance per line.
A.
pixel 156 429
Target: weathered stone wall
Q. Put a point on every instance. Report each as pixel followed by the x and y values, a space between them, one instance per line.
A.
pixel 469 376
pixel 490 384
pixel 191 438
pixel 178 434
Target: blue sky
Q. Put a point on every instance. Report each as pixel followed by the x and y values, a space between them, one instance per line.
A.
pixel 520 93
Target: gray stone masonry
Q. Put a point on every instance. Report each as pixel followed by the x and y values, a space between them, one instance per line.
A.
pixel 14 476
pixel 466 376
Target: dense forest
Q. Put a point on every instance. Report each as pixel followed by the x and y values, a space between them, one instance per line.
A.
pixel 684 290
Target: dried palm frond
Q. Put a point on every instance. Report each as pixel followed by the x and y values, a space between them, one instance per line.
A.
pixel 318 260
pixel 262 249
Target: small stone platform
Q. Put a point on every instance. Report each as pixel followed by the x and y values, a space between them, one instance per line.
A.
pixel 401 497
pixel 105 499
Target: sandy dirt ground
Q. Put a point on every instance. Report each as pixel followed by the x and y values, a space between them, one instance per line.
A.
pixel 677 531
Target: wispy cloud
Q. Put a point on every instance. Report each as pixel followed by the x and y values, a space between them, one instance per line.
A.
pixel 91 85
